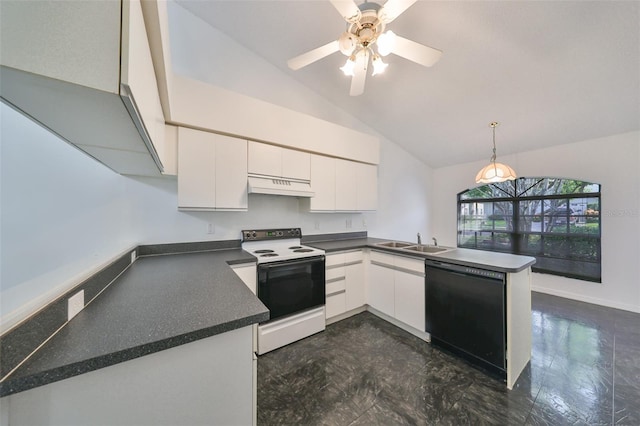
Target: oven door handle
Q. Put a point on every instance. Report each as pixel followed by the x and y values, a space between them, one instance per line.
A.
pixel 288 263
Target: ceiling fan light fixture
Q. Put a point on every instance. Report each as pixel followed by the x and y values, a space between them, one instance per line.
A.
pixel 347 43
pixel 378 65
pixel 366 40
pixel 386 43
pixel 349 66
pixel 495 172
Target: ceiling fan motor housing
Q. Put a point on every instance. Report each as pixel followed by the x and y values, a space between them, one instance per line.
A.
pixel 369 26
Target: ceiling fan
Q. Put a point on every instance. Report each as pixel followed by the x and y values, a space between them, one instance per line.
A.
pixel 366 25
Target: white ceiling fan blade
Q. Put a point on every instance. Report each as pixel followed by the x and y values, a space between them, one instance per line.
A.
pixel 347 8
pixel 394 8
pixel 313 55
pixel 416 52
pixel 359 73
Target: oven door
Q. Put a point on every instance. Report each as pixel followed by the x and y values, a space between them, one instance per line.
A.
pixel 291 286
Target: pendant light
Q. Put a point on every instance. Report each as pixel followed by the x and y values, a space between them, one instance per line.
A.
pixel 495 172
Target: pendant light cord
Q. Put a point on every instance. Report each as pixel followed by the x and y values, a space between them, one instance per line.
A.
pixel 493 126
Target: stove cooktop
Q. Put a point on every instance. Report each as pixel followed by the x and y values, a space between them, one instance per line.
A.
pixel 272 245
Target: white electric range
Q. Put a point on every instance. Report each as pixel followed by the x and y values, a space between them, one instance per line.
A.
pixel 290 282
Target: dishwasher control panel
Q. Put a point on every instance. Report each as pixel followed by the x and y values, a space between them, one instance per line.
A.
pixel 484 273
pixel 468 270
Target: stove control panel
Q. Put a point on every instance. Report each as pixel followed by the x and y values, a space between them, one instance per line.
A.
pixel 271 234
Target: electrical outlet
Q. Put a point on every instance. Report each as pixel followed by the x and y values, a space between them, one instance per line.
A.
pixel 364 223
pixel 133 256
pixel 211 228
pixel 75 304
pixel 348 224
pixel 317 225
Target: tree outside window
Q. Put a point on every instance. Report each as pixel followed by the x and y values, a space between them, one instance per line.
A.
pixel 555 220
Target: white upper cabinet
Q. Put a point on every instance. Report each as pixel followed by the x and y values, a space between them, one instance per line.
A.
pixel 271 160
pixel 346 185
pixel 323 179
pixel 264 159
pixel 212 172
pixel 84 70
pixel 296 164
pixel 343 185
pixel 367 187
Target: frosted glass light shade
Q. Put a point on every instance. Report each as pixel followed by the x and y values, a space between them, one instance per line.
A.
pixel 378 65
pixel 386 43
pixel 348 67
pixel 495 172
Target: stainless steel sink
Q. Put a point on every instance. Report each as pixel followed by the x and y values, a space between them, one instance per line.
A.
pixel 425 248
pixel 394 244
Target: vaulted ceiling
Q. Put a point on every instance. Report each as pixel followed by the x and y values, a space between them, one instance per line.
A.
pixel 551 72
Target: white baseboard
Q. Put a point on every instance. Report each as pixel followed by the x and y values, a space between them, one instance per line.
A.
pixel 586 299
pixel 346 315
pixel 419 334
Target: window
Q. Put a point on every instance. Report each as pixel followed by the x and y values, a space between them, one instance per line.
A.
pixel 555 220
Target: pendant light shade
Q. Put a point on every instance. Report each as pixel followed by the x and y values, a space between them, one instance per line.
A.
pixel 495 172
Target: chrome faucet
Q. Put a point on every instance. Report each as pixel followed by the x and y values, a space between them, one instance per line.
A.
pixel 419 238
pixel 435 242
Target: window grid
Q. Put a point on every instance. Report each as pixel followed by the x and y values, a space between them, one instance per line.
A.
pixel 563 231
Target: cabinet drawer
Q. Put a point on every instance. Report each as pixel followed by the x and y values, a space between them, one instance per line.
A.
pixel 333 273
pixel 334 259
pixel 335 305
pixel 386 259
pixel 353 257
pixel 336 286
pixel 416 265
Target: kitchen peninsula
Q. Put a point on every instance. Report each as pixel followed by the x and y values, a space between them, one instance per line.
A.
pixel 166 327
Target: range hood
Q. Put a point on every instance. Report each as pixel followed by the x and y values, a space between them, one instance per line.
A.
pixel 279 186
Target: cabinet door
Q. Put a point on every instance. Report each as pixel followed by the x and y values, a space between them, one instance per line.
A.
pixel 264 159
pixel 231 173
pixel 296 164
pixel 323 183
pixel 76 42
pixel 356 295
pixel 336 296
pixel 367 187
pixel 137 73
pixel 196 173
pixel 346 185
pixel 409 299
pixel 381 289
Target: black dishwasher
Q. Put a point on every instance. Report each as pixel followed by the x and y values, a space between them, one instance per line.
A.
pixel 466 313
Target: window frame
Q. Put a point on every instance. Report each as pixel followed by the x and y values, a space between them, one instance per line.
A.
pixel 518 236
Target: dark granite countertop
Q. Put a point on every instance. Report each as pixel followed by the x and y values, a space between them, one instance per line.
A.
pixel 501 262
pixel 164 300
pixel 159 302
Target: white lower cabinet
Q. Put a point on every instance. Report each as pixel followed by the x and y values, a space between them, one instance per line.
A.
pixel 409 299
pixel 355 278
pixel 381 289
pixel 210 381
pixel 345 286
pixel 396 288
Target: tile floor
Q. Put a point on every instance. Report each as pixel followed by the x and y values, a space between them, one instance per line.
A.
pixel 584 370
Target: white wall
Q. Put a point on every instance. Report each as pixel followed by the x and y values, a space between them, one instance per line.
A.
pixel 64 214
pixel 611 161
pixel 197 50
